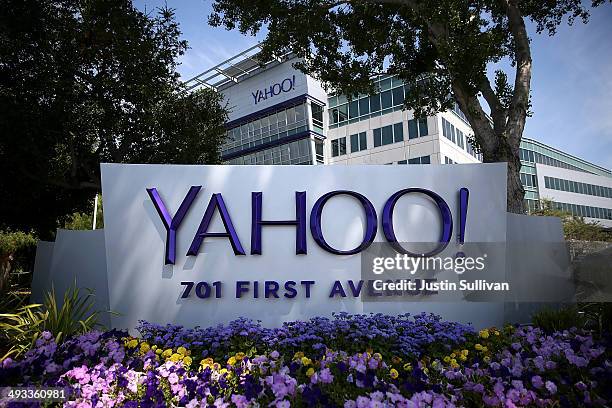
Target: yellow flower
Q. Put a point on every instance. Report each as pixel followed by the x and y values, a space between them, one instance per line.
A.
pixel 175 357
pixel 393 373
pixel 465 352
pixel 240 356
pixel 462 357
pixel 485 349
pixel 377 356
pixel 159 351
pixel 306 361
pixel 167 353
pixel 434 364
pixel 144 347
pixel 496 332
pixel 187 361
pixel 133 343
pixel 207 362
pixel 181 350
pixel 408 367
pixel 223 371
pixel 231 361
pixel 369 351
pixel 487 359
pixel 454 365
pixel 310 372
pixel 425 370
pixel 298 355
pixel 484 333
pixel 453 355
pixel 447 359
pixel 478 346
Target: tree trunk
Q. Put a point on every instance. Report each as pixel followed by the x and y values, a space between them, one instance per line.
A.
pixel 5 273
pixel 506 152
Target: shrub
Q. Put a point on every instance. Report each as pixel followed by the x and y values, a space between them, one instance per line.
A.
pixel 17 251
pixel 551 320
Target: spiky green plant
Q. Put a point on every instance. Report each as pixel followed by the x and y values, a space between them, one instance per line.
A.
pixel 21 329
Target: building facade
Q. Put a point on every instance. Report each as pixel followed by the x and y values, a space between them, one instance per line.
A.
pixel 279 115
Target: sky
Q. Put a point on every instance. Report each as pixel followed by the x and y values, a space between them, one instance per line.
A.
pixel 571 78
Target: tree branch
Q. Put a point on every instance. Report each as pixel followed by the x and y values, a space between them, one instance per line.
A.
pixel 498 112
pixel 522 83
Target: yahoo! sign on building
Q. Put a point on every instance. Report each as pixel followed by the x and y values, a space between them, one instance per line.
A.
pixel 206 244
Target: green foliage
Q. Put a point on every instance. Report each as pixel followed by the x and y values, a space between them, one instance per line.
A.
pixel 564 318
pixel 441 49
pixel 17 251
pixel 345 43
pixel 13 242
pixel 85 82
pixel 21 329
pixel 84 221
pixel 598 317
pixel 574 228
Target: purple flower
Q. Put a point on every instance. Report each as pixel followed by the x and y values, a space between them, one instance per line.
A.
pixel 537 382
pixel 551 387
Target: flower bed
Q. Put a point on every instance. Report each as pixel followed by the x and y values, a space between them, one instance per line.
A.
pixel 348 360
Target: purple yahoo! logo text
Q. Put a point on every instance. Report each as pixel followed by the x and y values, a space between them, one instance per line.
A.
pixel 216 203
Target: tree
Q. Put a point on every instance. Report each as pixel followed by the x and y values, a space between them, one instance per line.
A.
pixel 574 227
pixel 84 221
pixel 440 48
pixel 84 82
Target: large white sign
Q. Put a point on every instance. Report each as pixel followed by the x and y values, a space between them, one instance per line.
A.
pixel 197 245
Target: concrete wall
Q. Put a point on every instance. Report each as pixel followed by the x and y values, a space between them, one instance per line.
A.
pixel 76 256
pixel 537 262
pixel 81 255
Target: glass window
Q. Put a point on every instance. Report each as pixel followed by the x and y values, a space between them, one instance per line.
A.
pixel 353 109
pixel 363 141
pixel 398 96
pixel 282 118
pixel 398 132
pixel 387 135
pixel 385 84
pixel 291 116
pixel 343 112
pixel 423 131
pixel 413 132
pixel 425 160
pixel 375 103
pixel 364 106
pixel 416 160
pixel 460 138
pixel 333 116
pixel 354 143
pixel 299 113
pixel 402 162
pixel 386 99
pixel 317 114
pixel 377 137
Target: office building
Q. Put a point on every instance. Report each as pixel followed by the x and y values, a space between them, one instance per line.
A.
pixel 279 115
